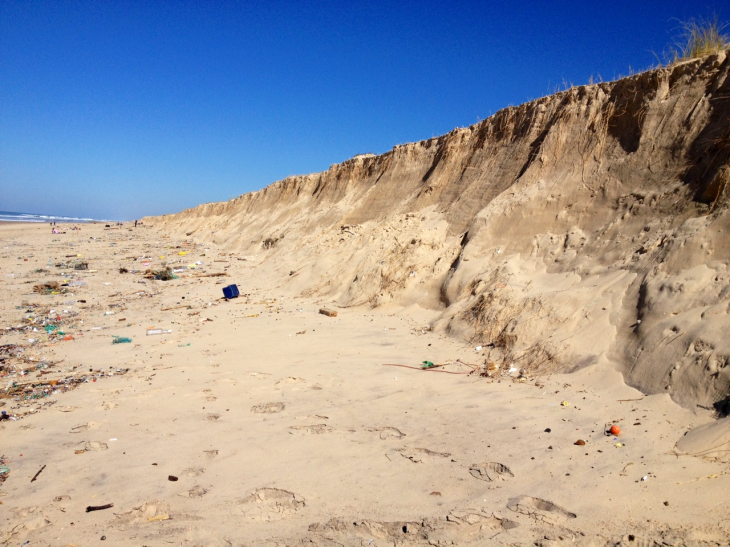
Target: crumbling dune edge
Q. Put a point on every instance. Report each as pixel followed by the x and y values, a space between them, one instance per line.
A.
pixel 584 226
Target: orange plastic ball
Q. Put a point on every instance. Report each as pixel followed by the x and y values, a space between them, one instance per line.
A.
pixel 615 430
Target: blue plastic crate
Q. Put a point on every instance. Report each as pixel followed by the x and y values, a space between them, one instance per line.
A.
pixel 231 291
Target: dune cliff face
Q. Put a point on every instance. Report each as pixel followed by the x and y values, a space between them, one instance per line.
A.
pixel 591 225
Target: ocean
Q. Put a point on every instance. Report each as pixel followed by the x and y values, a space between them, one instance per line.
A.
pixel 6 216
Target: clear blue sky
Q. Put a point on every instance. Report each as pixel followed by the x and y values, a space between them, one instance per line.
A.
pixel 115 110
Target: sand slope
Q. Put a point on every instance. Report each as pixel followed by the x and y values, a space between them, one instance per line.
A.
pixel 587 225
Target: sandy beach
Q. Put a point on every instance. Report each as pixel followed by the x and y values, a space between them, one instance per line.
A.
pixel 260 421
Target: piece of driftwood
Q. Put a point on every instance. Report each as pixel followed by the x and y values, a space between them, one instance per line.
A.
pixel 36 475
pixel 218 274
pixel 328 312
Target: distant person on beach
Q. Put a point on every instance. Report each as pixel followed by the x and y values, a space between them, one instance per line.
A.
pixel 135 223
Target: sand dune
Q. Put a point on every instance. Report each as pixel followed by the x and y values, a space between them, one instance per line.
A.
pixel 585 225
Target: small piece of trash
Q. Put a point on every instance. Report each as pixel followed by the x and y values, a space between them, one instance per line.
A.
pixel 158 518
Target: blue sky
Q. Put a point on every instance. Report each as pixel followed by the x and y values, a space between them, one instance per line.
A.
pixel 115 110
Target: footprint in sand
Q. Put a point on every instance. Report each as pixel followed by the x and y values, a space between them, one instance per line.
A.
pixel 312 417
pixel 107 405
pixel 267 504
pixel 195 471
pixel 388 432
pixel 317 429
pixel 95 446
pixel 539 509
pixel 472 517
pixel 66 408
pixel 419 455
pixel 490 471
pixel 196 491
pixel 268 408
pixel 260 375
pixel 85 427
pixel 210 453
pixel 149 512
pixel 213 417
pixel 290 380
pixel 293 382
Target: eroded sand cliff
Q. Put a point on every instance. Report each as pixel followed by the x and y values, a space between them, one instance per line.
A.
pixel 591 225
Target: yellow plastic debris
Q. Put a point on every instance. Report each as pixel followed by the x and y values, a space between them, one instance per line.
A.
pixel 565 403
pixel 182 253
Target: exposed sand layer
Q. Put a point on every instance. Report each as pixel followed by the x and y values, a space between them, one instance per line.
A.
pixel 282 426
pixel 584 227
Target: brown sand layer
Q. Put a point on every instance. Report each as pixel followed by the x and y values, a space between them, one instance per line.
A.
pixel 282 426
pixel 584 227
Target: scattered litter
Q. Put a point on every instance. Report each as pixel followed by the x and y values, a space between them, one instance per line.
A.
pixel 151 332
pixel 328 312
pixel 161 275
pixel 172 478
pixel 615 430
pixel 231 291
pixel 158 518
pixel 580 442
pixel 91 508
pixel 565 403
pixel 121 340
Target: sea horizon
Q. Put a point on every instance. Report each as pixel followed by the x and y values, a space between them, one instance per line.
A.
pixel 9 216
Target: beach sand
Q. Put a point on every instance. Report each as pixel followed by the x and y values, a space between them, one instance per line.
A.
pixel 282 426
